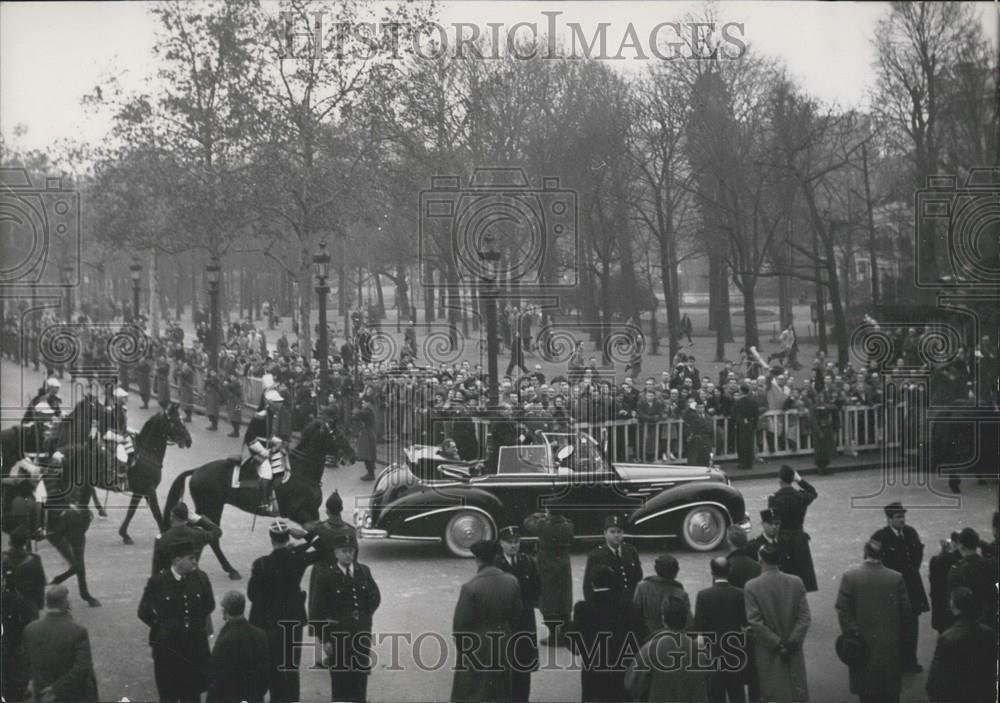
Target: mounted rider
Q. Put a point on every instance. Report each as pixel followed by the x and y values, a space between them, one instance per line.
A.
pixel 266 443
pixel 48 394
pixel 115 425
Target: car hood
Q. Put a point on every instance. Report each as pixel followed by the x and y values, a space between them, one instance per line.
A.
pixel 641 473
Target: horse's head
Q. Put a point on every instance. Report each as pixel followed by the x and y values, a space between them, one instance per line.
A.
pixel 177 431
pixel 323 438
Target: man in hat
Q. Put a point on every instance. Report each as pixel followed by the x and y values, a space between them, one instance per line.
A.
pixel 621 558
pixel 185 528
pixel 487 613
pixel 524 656
pixel 653 590
pixel 743 564
pixel 240 659
pixel 770 526
pixel 873 606
pixel 903 551
pixel 346 600
pixel 977 574
pixel 177 605
pixel 789 504
pixel 265 445
pixel 779 617
pixel 278 605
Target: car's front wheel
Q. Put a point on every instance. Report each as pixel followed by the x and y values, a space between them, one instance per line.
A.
pixel 465 529
pixel 704 528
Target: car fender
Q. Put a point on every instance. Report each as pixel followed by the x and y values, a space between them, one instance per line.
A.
pixel 662 514
pixel 423 514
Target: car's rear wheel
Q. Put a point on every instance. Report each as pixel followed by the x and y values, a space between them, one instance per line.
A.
pixel 704 528
pixel 465 529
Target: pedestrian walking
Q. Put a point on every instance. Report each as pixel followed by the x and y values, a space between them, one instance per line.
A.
pixel 789 504
pixel 278 606
pixel 486 615
pixel 555 538
pixel 617 555
pixel 720 610
pixel 240 660
pixel 346 600
pixel 964 666
pixel 873 608
pixel 605 627
pixel 524 652
pixel 177 605
pixel 779 618
pixel 666 667
pixel 903 551
pixel 745 415
pixel 653 590
pixel 58 652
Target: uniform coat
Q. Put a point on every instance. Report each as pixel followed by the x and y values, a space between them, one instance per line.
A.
pixel 777 611
pixel 142 371
pixel 26 575
pixel 525 651
pixel 186 384
pixel 604 656
pixel 344 609
pixel 325 531
pixel 905 554
pixel 964 665
pixel 627 568
pixel 176 611
pixel 200 533
pixel 790 506
pixel 488 610
pixel 555 538
pixel 58 652
pixel 276 597
pixel 872 604
pixel 240 664
pixel 743 565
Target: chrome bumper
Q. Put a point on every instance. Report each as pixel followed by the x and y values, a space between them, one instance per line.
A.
pixel 363 525
pixel 369 533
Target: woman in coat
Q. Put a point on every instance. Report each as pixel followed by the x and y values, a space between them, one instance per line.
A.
pixel 603 630
pixel 365 451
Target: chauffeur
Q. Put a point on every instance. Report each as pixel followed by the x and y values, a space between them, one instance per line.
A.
pixel 525 651
pixel 177 605
pixel 621 558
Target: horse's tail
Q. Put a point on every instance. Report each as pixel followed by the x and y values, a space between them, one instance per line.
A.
pixel 176 493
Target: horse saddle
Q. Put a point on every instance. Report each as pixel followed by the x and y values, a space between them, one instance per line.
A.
pixel 244 472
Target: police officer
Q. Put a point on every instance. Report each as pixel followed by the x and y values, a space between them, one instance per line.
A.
pixel 177 605
pixel 770 534
pixel 278 606
pixel 789 504
pixel 346 600
pixel 265 444
pixel 621 558
pixel 903 551
pixel 525 648
pixel 185 527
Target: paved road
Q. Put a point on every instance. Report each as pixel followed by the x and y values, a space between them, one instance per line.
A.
pixel 420 583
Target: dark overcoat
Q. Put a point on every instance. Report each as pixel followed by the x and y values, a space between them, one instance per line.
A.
pixel 58 652
pixel 905 554
pixel 555 538
pixel 627 568
pixel 790 505
pixel 240 664
pixel 604 630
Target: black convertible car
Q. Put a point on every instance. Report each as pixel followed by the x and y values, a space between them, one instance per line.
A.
pixel 432 497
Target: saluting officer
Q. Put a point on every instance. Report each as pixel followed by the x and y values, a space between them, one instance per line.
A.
pixel 265 444
pixel 620 557
pixel 346 599
pixel 278 606
pixel 177 605
pixel 789 504
pixel 185 528
pixel 525 635
pixel 903 551
pixel 770 534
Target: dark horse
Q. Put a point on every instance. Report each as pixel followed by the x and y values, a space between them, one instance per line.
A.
pixel 299 496
pixel 165 427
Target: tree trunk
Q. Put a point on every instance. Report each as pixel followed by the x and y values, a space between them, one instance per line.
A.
pixel 154 298
pixel 428 287
pixel 749 284
pixel 453 305
pixel 305 306
pixel 630 306
pixel 379 296
pixel 839 317
pixel 402 292
pixel 872 258
pixel 605 310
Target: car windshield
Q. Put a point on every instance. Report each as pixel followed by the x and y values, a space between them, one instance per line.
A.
pixel 586 455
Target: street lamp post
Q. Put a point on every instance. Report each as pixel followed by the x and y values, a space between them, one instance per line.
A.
pixel 135 269
pixel 321 269
pixel 67 278
pixel 212 271
pixel 491 258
